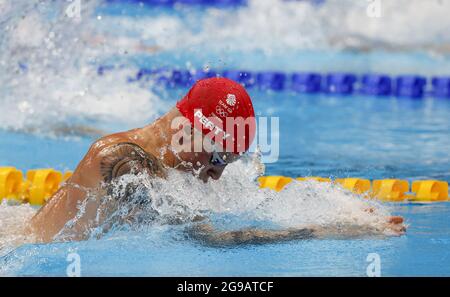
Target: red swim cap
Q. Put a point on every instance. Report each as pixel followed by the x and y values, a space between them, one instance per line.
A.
pixel 223 111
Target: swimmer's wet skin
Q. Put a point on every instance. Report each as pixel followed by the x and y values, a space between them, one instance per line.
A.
pixel 149 150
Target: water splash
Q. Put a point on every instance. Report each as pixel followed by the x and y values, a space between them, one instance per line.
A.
pixel 49 78
pixel 13 219
pixel 274 26
pixel 182 198
pixel 48 59
pixel 235 201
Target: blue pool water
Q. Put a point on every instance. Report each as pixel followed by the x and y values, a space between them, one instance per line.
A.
pixel 422 252
pixel 320 135
pixel 348 136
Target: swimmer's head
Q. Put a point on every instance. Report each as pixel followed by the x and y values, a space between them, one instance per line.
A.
pixel 221 111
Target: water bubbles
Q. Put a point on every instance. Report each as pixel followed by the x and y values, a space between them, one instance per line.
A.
pixel 137 202
pixel 13 220
pixel 181 197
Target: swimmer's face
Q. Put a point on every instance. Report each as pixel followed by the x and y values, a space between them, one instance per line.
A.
pixel 208 164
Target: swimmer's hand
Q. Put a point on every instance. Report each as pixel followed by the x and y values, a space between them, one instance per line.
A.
pixel 207 235
pixel 393 226
pixel 396 225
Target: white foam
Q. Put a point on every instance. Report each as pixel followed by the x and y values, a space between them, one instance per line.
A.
pixel 13 219
pixel 182 197
pixel 275 26
pixel 298 204
pixel 49 76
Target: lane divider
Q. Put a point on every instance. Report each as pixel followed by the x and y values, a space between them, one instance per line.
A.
pixel 221 3
pixel 40 184
pixel 36 188
pixel 391 190
pixel 344 84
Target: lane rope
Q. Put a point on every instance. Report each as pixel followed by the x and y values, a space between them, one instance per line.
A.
pixel 338 83
pixel 392 190
pixel 38 185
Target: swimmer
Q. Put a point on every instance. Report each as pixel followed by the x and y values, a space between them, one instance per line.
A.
pixel 208 110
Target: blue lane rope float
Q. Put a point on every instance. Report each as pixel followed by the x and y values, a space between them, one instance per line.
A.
pixel 339 83
pixel 441 87
pixel 243 77
pixel 271 81
pixel 410 86
pixel 306 82
pixel 169 3
pixel 219 3
pixel 376 85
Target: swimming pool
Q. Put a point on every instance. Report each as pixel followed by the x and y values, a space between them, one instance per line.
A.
pixel 320 135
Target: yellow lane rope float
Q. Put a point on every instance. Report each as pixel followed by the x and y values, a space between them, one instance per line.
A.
pixel 392 190
pixel 40 184
pixel 36 188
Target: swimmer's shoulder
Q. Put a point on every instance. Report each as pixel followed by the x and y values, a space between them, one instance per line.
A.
pixel 109 140
pixel 123 158
pixel 115 138
pixel 118 154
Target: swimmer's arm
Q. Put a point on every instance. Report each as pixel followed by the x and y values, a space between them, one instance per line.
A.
pixel 207 235
pixel 52 217
pixel 100 166
pixel 126 158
